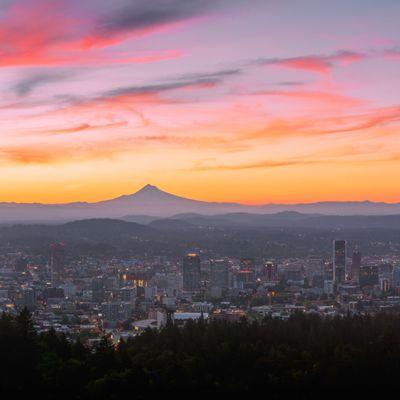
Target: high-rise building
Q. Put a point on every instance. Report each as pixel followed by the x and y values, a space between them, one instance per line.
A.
pixel 270 272
pixel 355 265
pixel 127 294
pixel 384 283
pixel 369 275
pixel 98 289
pixel 295 275
pixel 219 274
pixel 339 261
pixel 396 276
pixel 191 272
pixel 247 272
pixel 29 298
pixel 57 262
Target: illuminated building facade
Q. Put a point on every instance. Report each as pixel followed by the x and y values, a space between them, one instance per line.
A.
pixel 270 272
pixel 247 273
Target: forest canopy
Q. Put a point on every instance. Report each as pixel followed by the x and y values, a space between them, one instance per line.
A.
pixel 304 357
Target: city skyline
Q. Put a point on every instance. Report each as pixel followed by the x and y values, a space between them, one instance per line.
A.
pixel 252 102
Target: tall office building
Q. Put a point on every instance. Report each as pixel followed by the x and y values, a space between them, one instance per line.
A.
pixel 355 265
pixel 369 276
pixel 57 262
pixel 219 274
pixel 29 298
pixel 339 261
pixel 270 272
pixel 247 271
pixel 396 276
pixel 98 289
pixel 191 272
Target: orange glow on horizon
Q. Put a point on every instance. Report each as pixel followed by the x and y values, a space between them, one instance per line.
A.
pixel 215 102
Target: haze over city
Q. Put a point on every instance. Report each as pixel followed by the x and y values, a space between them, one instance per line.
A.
pixel 247 101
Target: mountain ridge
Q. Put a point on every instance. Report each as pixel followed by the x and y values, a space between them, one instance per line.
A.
pixel 154 202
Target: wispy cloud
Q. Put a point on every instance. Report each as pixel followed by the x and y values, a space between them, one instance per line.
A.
pixel 152 93
pixel 53 33
pixel 320 64
pixel 160 88
pixel 360 122
pixel 28 84
pixel 140 18
pixel 84 127
pixel 256 165
pixel 326 98
pixel 392 53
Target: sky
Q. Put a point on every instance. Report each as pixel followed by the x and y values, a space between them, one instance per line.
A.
pixel 252 101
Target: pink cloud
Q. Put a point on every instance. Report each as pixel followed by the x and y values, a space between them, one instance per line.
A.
pixel 316 64
pixel 306 64
pixel 40 33
pixel 392 54
pixel 308 96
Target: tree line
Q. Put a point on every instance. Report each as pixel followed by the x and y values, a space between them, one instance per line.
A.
pixel 304 357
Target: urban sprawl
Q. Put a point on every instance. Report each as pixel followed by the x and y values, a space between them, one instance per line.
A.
pixel 87 298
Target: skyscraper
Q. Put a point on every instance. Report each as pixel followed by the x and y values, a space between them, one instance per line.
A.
pixel 396 276
pixel 270 272
pixel 247 274
pixel 29 298
pixel 219 276
pixel 369 276
pixel 355 265
pixel 57 261
pixel 191 272
pixel 339 261
pixel 98 290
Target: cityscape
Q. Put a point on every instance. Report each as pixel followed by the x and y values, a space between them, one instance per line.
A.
pixel 88 297
pixel 199 199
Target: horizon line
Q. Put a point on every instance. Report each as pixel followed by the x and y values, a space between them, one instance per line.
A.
pixel 245 204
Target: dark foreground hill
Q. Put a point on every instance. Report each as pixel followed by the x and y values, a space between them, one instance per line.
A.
pixel 303 358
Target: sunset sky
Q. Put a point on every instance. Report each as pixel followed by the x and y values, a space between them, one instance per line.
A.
pixel 253 101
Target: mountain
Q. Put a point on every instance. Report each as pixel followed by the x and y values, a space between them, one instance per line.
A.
pixel 148 201
pixel 151 203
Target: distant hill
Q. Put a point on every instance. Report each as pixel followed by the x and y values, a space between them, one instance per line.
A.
pixel 293 220
pixel 235 235
pixel 95 231
pixel 171 224
pixel 151 203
